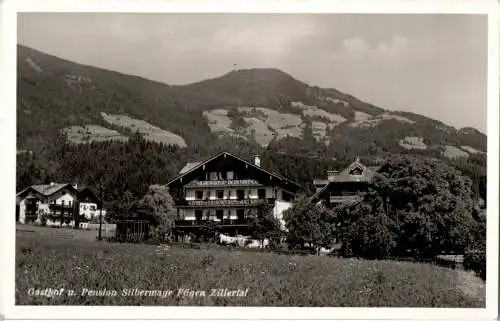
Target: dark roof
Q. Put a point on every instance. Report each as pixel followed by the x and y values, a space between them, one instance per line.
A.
pixel 190 167
pixel 318 193
pixel 50 189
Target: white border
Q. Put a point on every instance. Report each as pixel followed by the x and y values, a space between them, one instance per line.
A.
pixel 8 36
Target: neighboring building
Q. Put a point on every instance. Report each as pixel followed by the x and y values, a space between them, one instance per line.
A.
pixel 89 205
pixel 58 203
pixel 224 189
pixel 343 187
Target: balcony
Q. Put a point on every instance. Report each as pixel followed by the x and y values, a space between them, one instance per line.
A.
pixel 60 207
pixel 344 198
pixel 320 182
pixel 223 183
pixel 223 223
pixel 224 203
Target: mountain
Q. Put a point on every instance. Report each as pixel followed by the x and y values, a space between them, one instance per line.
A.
pixel 54 93
pixel 246 111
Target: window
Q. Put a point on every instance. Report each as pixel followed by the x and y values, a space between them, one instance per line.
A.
pixel 69 203
pixel 213 176
pixel 240 194
pixel 198 195
pixel 286 197
pixel 63 193
pixel 230 175
pixel 92 207
pixel 84 207
pixel 219 214
pixel 219 194
pixel 356 171
pixel 240 213
pixel 198 214
pixel 261 193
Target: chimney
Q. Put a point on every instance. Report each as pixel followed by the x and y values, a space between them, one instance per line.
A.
pixel 331 175
pixel 257 160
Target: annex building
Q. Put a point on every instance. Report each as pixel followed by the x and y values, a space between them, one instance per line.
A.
pixel 343 187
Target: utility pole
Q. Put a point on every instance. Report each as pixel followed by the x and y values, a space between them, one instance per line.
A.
pixel 100 214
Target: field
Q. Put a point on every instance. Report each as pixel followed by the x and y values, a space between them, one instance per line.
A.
pixel 264 279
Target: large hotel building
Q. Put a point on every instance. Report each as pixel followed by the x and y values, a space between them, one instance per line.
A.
pixel 224 189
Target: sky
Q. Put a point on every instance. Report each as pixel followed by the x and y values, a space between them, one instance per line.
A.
pixel 434 65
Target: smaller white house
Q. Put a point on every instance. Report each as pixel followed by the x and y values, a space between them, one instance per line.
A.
pixel 54 204
pixel 91 210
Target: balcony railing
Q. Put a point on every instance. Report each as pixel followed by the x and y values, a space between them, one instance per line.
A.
pixel 223 223
pixel 224 202
pixel 234 182
pixel 344 198
pixel 59 207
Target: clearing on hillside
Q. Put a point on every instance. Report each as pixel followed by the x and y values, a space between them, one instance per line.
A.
pixel 411 142
pixel 454 152
pixel 92 133
pixel 374 121
pixel 149 131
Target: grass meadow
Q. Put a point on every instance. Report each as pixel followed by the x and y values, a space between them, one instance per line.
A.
pixel 44 260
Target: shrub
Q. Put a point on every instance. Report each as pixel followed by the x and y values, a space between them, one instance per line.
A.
pixel 475 260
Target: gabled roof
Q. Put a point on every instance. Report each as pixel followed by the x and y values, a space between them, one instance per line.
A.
pixel 345 175
pixel 190 167
pixel 87 192
pixel 47 189
pixel 50 189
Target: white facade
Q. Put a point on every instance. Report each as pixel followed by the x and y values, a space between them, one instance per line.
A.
pixel 64 197
pixel 189 214
pixel 91 210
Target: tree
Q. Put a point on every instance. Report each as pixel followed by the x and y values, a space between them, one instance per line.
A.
pixel 263 224
pixel 157 206
pixel 418 207
pixel 370 234
pixel 121 207
pixel 310 224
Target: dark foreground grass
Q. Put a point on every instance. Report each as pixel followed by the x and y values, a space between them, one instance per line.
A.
pixel 271 279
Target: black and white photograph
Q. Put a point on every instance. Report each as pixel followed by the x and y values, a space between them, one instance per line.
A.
pixel 253 159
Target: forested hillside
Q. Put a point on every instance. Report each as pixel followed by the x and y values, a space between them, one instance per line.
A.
pixel 309 129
